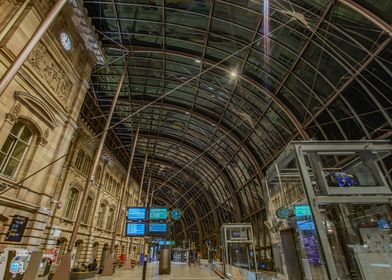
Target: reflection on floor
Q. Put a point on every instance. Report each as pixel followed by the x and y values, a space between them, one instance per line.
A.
pixel 179 271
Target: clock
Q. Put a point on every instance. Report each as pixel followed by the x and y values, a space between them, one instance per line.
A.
pixel 176 214
pixel 65 41
pixel 282 213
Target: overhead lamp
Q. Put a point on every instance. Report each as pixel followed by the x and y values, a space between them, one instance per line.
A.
pixel 233 74
pixel 197 60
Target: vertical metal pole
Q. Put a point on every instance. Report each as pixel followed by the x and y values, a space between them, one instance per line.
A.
pixel 108 266
pixel 148 190
pixel 142 181
pixel 125 187
pixel 63 270
pixel 20 59
pixel 13 19
pixel 320 228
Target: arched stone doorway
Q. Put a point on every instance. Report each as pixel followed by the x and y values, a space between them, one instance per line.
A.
pixel 105 254
pixel 76 254
pixel 94 252
pixel 62 248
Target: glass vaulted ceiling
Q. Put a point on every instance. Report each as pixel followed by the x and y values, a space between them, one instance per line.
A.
pixel 244 78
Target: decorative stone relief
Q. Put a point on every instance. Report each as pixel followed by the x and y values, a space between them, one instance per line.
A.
pixel 14 113
pixel 43 140
pixel 48 69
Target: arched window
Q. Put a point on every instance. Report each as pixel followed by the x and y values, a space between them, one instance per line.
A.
pixel 87 210
pixel 86 165
pixel 110 184
pixel 106 181
pixel 72 202
pixel 110 222
pixel 79 159
pixel 101 215
pixel 98 175
pixel 14 149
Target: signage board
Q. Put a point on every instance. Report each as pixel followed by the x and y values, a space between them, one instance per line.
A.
pixel 157 228
pixel 16 229
pixel 136 213
pixel 167 242
pixel 135 229
pixel 302 211
pixel 158 213
pixel 306 225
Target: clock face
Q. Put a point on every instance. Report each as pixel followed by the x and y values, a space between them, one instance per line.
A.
pixel 66 41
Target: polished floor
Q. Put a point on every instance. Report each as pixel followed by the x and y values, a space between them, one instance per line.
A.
pixel 179 271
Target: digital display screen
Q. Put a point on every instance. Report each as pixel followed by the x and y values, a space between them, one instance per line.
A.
pixel 157 228
pixel 135 229
pixel 302 211
pixel 158 213
pixel 168 242
pixel 14 267
pixel 137 213
pixel 306 225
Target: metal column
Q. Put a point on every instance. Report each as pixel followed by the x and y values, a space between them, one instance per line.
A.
pixel 108 267
pixel 62 273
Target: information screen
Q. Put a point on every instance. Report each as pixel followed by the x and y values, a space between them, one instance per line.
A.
pixel 155 228
pixel 137 213
pixel 135 229
pixel 302 211
pixel 158 213
pixel 306 225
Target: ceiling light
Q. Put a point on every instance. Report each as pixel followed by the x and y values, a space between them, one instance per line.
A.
pixel 233 74
pixel 197 60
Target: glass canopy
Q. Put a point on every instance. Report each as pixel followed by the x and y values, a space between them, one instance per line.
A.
pixel 235 81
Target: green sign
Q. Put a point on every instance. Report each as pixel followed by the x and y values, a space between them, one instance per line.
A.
pixel 158 213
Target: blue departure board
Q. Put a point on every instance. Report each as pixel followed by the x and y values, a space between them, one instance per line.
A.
pixel 137 213
pixel 302 211
pixel 155 228
pixel 158 213
pixel 135 229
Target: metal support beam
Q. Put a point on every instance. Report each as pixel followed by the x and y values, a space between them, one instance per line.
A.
pixel 142 180
pixel 63 271
pixel 22 56
pixel 108 266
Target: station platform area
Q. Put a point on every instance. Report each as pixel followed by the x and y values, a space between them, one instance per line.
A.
pixel 179 271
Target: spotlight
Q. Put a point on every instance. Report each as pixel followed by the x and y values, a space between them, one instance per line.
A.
pixel 197 60
pixel 233 74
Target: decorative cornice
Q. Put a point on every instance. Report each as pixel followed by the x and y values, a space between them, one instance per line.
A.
pixel 83 23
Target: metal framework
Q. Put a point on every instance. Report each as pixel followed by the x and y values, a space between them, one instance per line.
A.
pixel 327 76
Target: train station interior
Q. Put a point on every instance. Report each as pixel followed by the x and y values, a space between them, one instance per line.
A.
pixel 196 139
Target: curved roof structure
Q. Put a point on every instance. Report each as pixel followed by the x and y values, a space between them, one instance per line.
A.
pixel 220 87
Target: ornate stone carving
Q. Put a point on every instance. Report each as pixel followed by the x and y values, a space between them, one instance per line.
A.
pixel 48 69
pixel 43 140
pixel 14 113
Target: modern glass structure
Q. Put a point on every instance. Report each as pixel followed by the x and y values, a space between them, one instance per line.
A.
pixel 190 105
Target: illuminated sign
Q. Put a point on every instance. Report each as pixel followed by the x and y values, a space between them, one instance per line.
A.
pixel 302 211
pixel 136 213
pixel 135 229
pixel 155 228
pixel 168 242
pixel 16 229
pixel 158 213
pixel 306 225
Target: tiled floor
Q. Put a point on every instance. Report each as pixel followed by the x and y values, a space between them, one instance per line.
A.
pixel 179 271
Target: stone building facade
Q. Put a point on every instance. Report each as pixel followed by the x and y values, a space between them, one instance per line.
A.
pixel 45 150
